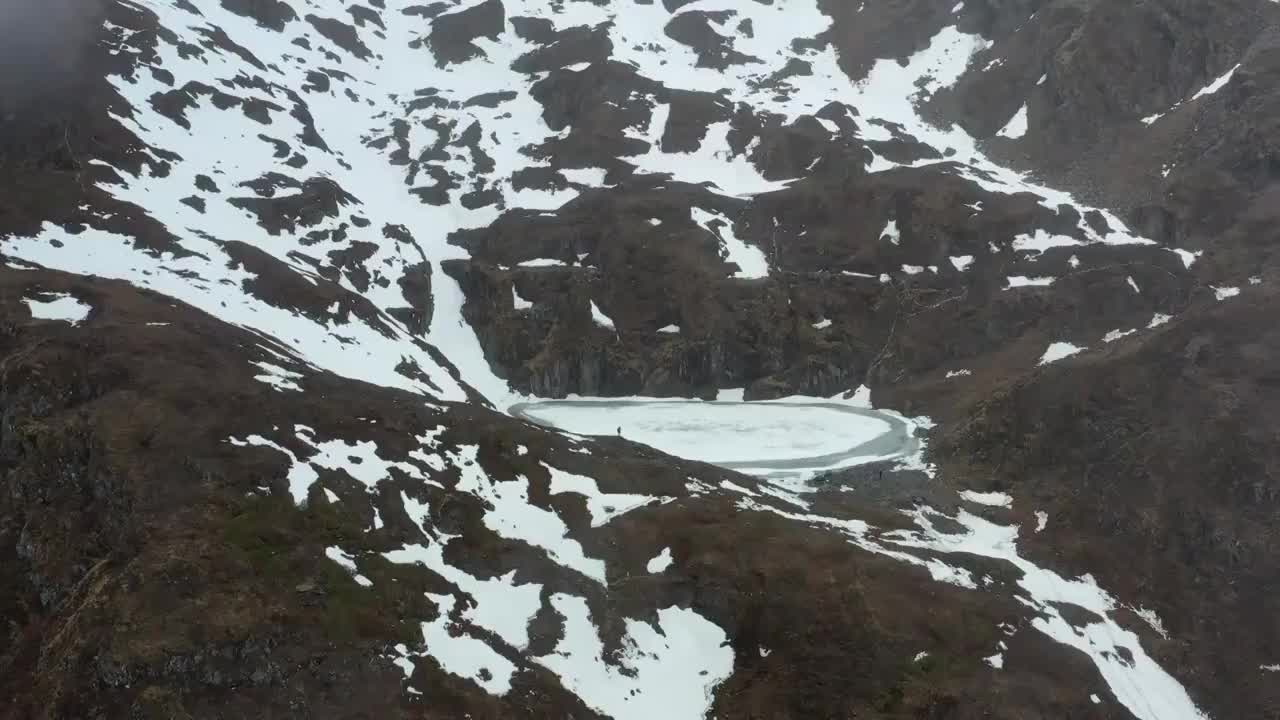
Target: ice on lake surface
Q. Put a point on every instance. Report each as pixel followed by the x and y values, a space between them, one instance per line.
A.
pixel 739 435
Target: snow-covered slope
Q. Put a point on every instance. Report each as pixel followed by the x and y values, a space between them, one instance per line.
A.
pixel 341 180
pixel 242 120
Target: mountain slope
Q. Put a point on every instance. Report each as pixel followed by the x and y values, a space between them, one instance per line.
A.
pixel 161 567
pixel 273 272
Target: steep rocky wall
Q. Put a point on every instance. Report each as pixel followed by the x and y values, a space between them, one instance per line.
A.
pixel 1165 447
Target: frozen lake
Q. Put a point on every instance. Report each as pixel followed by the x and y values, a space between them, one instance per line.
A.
pixel 754 437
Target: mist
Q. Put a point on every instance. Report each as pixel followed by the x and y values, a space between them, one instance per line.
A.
pixel 41 45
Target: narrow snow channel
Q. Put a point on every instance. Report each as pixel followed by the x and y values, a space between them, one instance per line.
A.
pixel 799 436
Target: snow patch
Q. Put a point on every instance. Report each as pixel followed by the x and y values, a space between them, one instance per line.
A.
pixel 990 499
pixel 602 506
pixel 1209 89
pixel 1188 257
pixel 1017 125
pixel 500 605
pixel 1151 618
pixel 1042 240
pixel 63 307
pixel 942 572
pixel 1058 351
pixel 598 316
pixel 300 476
pixel 1017 281
pixel 750 260
pixel 592 177
pixel 348 563
pixel 667 671
pixel 511 515
pixel 462 655
pixel 732 486
pixel 830 126
pixel 517 302
pixel 278 377
pixel 891 232
pixel 1217 84
pixel 660 562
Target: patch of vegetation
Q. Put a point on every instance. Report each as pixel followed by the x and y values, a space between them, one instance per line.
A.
pixel 285 544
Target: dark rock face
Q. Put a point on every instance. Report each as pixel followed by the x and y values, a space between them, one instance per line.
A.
pixel 825 238
pixel 341 34
pixel 313 201
pixel 1154 56
pixel 122 543
pixel 1142 142
pixel 556 50
pixel 1167 447
pixel 272 13
pixel 695 29
pixel 453 34
pixel 415 286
